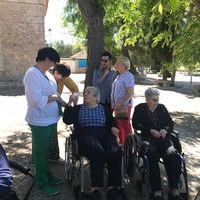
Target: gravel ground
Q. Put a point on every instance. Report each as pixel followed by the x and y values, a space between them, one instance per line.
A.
pixel 16 138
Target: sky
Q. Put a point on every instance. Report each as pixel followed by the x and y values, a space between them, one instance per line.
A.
pixel 54 30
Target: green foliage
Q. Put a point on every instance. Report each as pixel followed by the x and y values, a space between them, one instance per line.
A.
pixel 66 50
pixel 157 32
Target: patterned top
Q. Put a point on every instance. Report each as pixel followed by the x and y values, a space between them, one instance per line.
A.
pixel 92 116
pixel 105 85
pixel 123 81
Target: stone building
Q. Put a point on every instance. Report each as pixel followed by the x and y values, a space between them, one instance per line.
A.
pixel 21 35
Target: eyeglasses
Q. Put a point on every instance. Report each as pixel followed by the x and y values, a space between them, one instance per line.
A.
pixel 102 60
pixel 155 99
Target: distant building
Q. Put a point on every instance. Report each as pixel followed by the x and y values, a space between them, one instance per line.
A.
pixel 78 62
pixel 21 35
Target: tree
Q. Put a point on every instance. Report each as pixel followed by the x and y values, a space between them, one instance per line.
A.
pixel 166 30
pixel 93 13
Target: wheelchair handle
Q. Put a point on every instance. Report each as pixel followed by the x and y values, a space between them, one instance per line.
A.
pixel 26 171
pixel 22 168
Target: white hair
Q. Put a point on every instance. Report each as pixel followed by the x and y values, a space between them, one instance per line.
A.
pixel 125 60
pixel 95 91
pixel 151 92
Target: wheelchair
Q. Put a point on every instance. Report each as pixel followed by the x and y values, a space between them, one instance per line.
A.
pixel 137 165
pixel 25 171
pixel 76 166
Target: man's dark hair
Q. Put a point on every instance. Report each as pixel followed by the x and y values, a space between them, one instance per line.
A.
pixel 106 53
pixel 62 69
pixel 48 52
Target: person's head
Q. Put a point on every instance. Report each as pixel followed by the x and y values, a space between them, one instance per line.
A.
pixel 61 71
pixel 122 64
pixel 106 59
pixel 152 97
pixel 91 96
pixel 48 55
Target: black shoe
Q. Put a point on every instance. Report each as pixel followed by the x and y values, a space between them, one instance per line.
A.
pixel 174 197
pixel 95 195
pixel 115 194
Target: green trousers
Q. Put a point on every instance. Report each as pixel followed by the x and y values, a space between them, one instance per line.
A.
pixel 41 142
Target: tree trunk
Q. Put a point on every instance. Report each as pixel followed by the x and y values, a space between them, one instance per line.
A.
pixel 93 12
pixel 173 78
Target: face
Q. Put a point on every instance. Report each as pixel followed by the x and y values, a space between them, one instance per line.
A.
pixel 89 97
pixel 152 102
pixel 105 62
pixel 58 77
pixel 119 66
pixel 49 63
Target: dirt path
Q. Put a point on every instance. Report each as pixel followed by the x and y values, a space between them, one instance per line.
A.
pixel 16 138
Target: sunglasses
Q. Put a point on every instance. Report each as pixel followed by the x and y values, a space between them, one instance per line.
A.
pixel 102 60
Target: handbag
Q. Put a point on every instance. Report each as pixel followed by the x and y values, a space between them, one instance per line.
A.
pixel 121 112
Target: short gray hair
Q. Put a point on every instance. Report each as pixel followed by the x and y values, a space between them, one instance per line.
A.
pixel 95 91
pixel 151 92
pixel 125 60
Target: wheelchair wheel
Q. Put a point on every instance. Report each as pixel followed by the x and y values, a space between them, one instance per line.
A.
pixel 129 158
pixel 183 182
pixel 68 160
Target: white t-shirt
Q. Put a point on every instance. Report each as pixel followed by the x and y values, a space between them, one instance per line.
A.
pixel 38 86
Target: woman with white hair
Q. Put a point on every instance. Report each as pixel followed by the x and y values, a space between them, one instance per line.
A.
pixel 121 97
pixel 95 130
pixel 155 124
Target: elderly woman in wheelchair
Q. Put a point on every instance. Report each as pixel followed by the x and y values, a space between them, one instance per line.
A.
pixel 95 131
pixel 155 124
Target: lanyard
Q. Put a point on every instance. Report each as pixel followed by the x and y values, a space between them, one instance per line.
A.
pixel 42 72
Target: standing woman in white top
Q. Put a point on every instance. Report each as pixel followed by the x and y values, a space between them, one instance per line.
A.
pixel 42 114
pixel 121 96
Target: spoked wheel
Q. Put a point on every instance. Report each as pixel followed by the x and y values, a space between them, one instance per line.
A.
pixel 146 190
pixel 129 157
pixel 68 160
pixel 183 182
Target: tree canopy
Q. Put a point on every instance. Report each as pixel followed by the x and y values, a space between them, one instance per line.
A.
pixel 157 33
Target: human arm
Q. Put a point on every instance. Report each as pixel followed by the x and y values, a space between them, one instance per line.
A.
pixel 69 115
pixel 73 88
pixel 140 120
pixel 166 124
pixel 129 94
pixel 38 90
pixel 5 171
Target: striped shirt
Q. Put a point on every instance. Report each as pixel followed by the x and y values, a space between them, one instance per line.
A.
pixel 92 116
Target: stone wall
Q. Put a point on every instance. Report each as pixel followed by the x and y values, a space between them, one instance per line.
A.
pixel 21 35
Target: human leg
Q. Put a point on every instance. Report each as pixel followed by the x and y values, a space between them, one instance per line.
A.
pixel 154 170
pixel 91 148
pixel 42 137
pixel 172 162
pixel 124 127
pixel 54 148
pixel 114 165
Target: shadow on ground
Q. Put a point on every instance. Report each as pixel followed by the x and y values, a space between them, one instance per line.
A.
pixel 18 148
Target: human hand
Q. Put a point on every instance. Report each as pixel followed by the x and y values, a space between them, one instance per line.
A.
pixel 115 132
pixel 117 105
pixel 73 99
pixel 163 133
pixel 53 97
pixel 155 133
